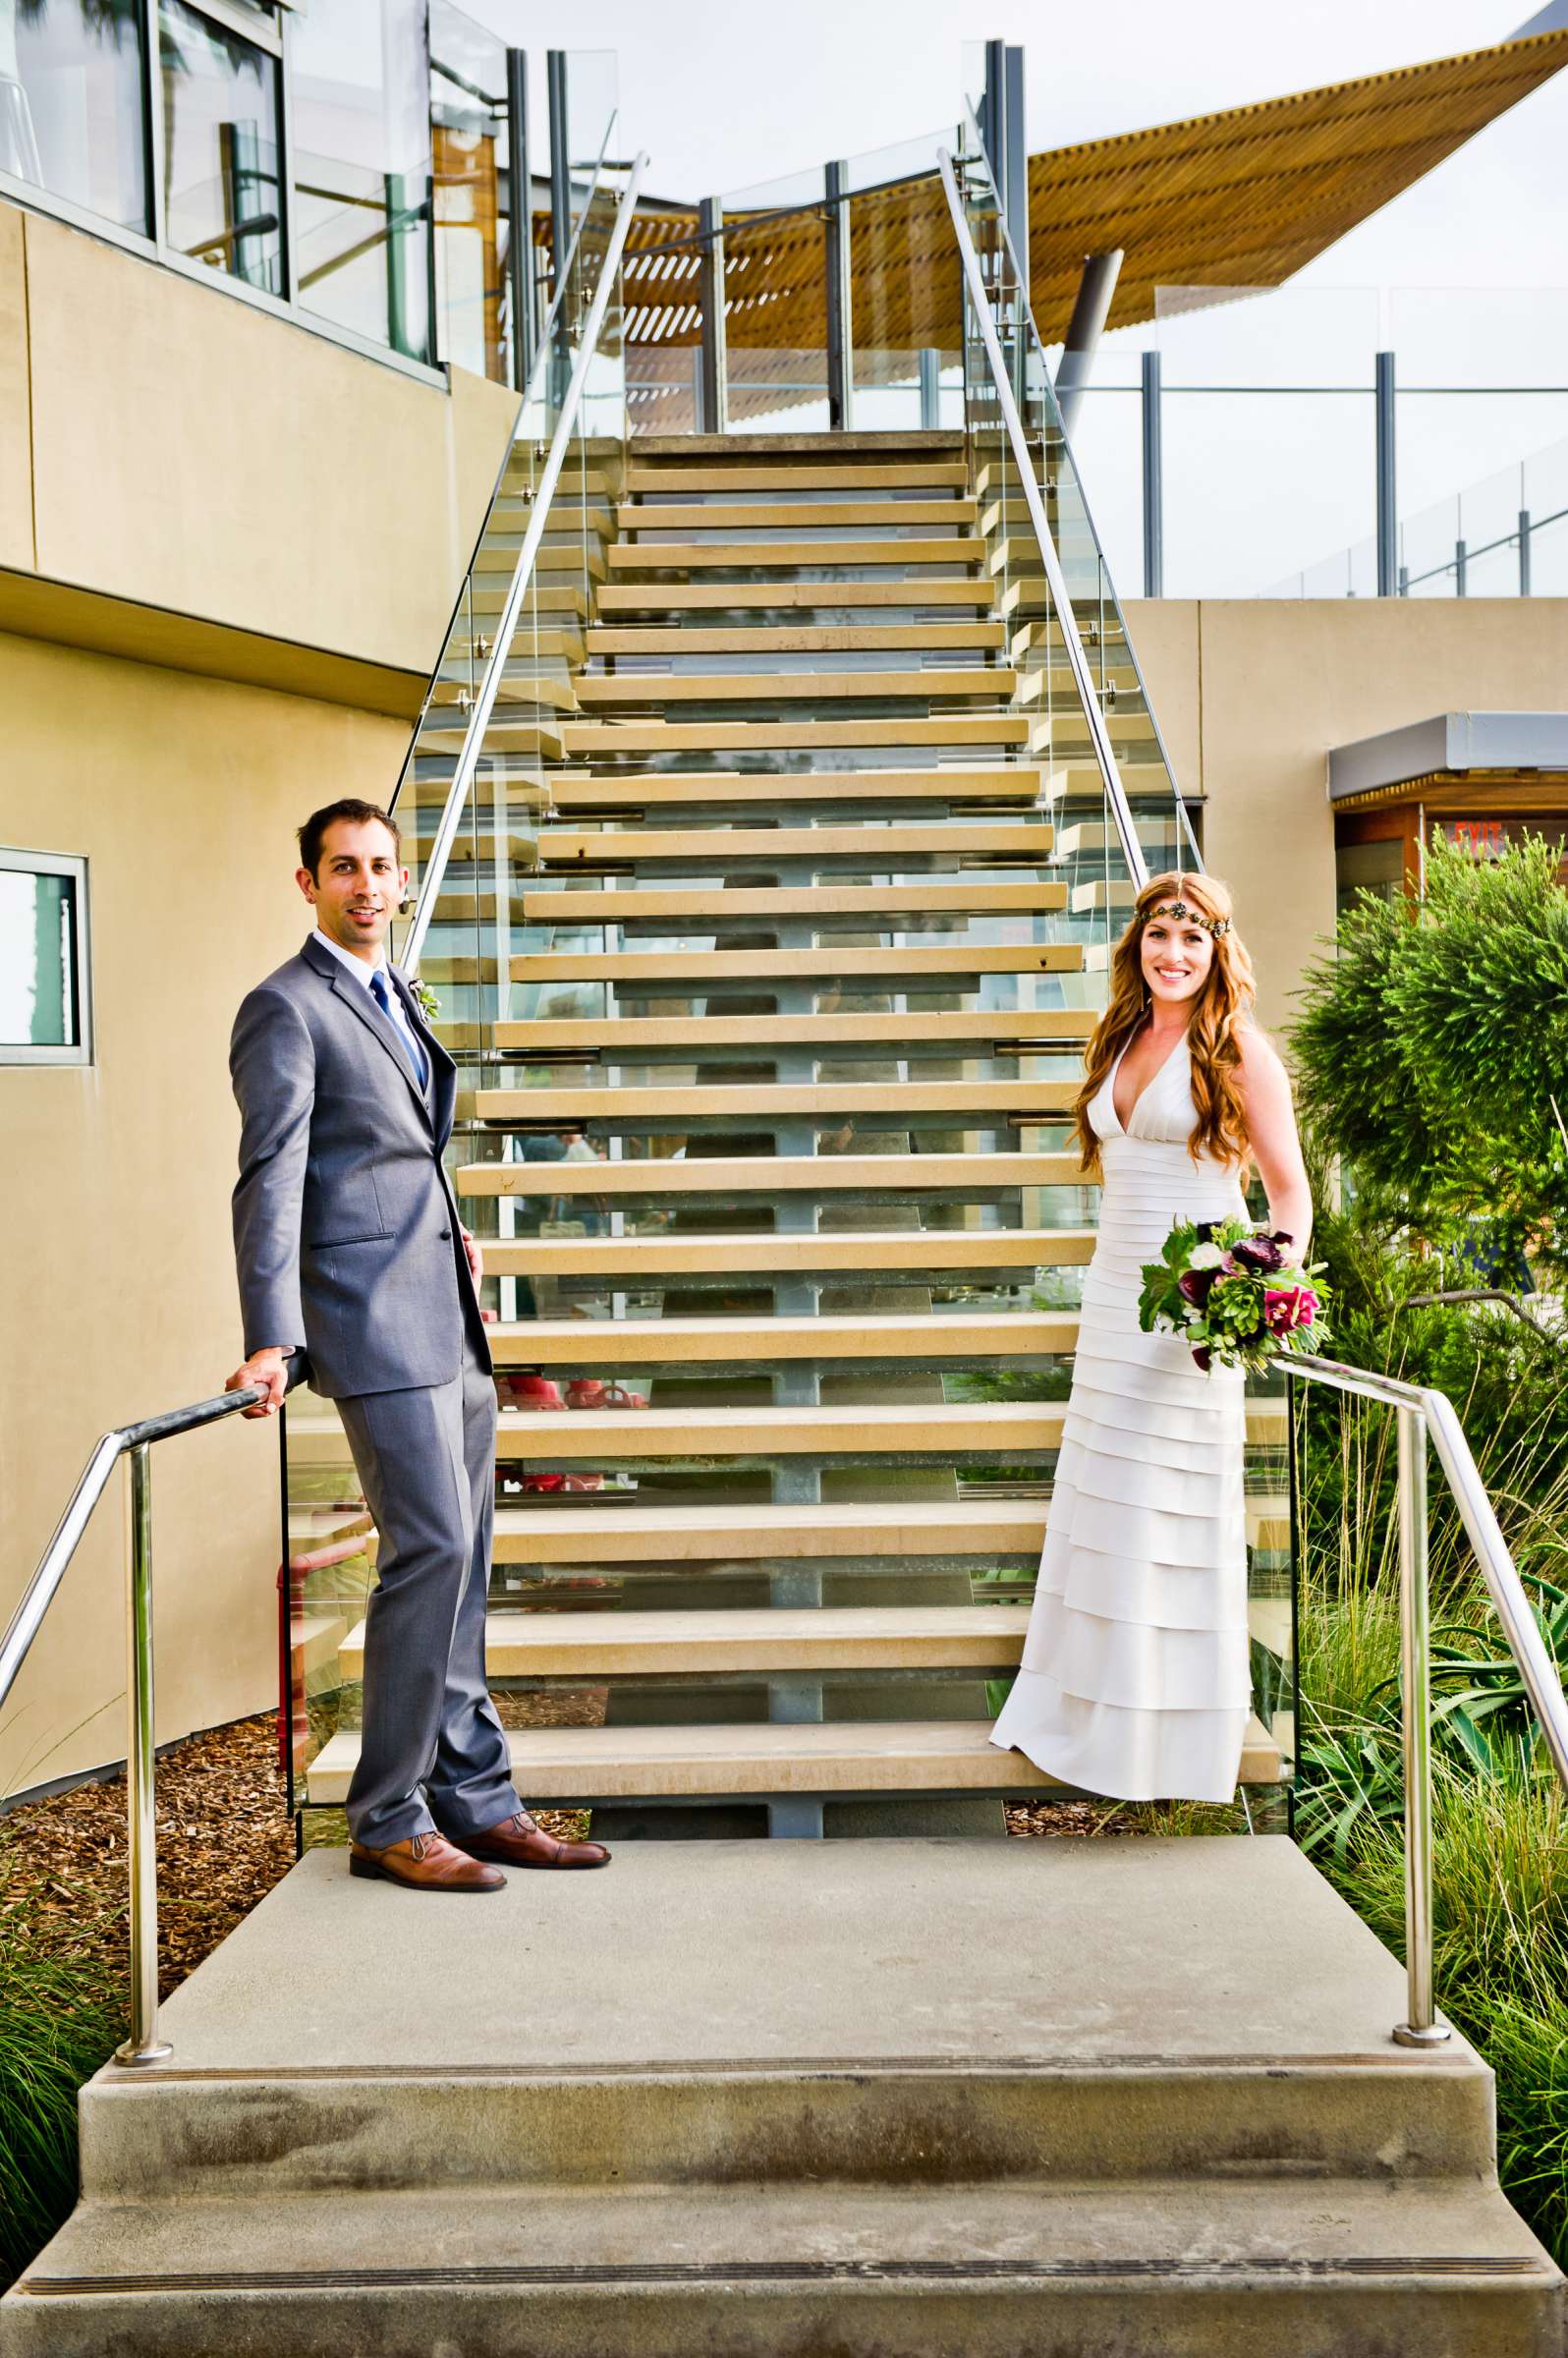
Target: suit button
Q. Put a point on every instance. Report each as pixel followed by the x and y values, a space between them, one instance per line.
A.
pixel 446 1236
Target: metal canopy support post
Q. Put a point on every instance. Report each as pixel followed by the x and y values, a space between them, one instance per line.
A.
pixel 714 384
pixel 840 326
pixel 1153 483
pixel 560 220
pixel 520 248
pixel 1461 566
pixel 930 388
pixel 1090 308
pixel 1387 504
pixel 1001 124
pixel 1524 552
pixel 994 114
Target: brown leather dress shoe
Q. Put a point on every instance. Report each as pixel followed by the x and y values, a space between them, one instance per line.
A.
pixel 424 1863
pixel 517 1842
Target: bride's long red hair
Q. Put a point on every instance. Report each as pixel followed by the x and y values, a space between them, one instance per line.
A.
pixel 1224 1003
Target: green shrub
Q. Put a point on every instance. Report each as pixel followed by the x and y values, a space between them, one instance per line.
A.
pixel 56 2028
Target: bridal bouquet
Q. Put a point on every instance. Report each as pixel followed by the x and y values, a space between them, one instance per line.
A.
pixel 1234 1294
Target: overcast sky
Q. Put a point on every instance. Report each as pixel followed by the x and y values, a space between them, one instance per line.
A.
pixel 725 95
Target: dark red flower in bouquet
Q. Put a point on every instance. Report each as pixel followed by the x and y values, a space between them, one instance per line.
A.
pixel 1260 1253
pixel 1203 1359
pixel 1194 1285
pixel 1289 1307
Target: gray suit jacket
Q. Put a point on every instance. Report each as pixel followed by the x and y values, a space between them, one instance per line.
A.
pixel 346 1230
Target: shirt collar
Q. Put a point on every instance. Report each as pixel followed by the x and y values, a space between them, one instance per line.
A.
pixel 355 966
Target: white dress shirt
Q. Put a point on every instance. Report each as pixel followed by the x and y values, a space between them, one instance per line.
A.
pixel 361 970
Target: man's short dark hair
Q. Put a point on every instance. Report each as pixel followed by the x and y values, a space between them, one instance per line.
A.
pixel 348 807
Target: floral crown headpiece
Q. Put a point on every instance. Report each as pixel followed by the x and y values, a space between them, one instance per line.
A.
pixel 1185 913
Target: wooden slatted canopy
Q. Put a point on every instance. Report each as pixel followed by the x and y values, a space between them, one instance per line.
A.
pixel 1240 200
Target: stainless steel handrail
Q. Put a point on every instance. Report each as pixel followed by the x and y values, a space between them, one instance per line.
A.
pixel 1425 1413
pixel 1077 661
pixel 531 392
pixel 506 629
pixel 133 1442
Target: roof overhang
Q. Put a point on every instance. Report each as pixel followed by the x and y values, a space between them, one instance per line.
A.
pixel 1450 752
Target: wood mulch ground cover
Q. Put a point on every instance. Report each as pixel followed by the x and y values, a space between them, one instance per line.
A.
pixel 223 1841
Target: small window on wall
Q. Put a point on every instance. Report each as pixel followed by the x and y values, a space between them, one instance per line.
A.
pixel 46 1004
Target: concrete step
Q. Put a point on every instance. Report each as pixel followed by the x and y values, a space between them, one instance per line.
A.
pixel 638 516
pixel 594 691
pixel 694 598
pixel 950 474
pixel 917 966
pixel 1007 787
pixel 763 1760
pixel 848 1255
pixel 587 739
pixel 972 1176
pixel 610 1435
pixel 762 1103
pixel 872 1638
pixel 729 1342
pixel 761 557
pixel 1000 1032
pixel 586 905
pixel 559 847
pixel 1016 2271
pixel 609 640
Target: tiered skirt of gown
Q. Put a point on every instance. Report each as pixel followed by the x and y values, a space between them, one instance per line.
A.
pixel 1134 1678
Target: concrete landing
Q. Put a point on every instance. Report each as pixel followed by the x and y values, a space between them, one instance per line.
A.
pixel 1188 1950
pixel 909 2099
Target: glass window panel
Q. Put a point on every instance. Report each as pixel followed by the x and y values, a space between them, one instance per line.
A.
pixel 71 103
pixel 471 141
pixel 360 75
pixel 43 993
pixel 221 109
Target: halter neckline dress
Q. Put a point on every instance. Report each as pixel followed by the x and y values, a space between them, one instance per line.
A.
pixel 1135 1680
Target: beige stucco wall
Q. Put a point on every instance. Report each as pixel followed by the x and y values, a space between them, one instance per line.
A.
pixel 168 443
pixel 165 445
pixel 1251 693
pixel 118 1294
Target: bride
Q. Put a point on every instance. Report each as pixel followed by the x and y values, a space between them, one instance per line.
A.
pixel 1134 1678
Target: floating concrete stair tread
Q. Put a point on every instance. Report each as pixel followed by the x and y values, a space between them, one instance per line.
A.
pixel 851 962
pixel 1037 1100
pixel 602 1436
pixel 762 556
pixel 590 906
pixel 544 597
pixel 1010 786
pixel 591 737
pixel 768 1174
pixel 570 557
pixel 603 1763
pixel 582 1532
pixel 651 1342
pixel 1187 2267
pixel 849 1252
pixel 949 474
pixel 787 687
pixel 1104 892
pixel 558 846
pixel 694 596
pixel 789 639
pixel 317 1639
pixel 1000 1029
pixel 796 515
pixel 900 1637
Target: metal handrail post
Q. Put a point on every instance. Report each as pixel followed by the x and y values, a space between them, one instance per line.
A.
pixel 1077 661
pixel 144 2046
pixel 1421 2029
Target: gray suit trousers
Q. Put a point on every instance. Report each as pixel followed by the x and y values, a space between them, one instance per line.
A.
pixel 432 1751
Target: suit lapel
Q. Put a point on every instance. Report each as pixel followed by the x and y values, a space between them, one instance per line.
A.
pixel 443 1071
pixel 356 998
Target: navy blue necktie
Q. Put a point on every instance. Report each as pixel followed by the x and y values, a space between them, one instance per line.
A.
pixel 404 1032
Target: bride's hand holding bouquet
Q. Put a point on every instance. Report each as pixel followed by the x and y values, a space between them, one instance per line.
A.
pixel 1236 1295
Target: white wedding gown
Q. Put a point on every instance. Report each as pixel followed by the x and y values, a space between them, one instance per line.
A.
pixel 1134 1678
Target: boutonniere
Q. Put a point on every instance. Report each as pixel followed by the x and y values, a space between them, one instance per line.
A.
pixel 424 998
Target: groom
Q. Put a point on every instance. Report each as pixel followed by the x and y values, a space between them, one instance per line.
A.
pixel 350 1249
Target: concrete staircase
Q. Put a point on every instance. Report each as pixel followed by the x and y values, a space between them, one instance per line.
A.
pixel 809 944
pixel 897 2100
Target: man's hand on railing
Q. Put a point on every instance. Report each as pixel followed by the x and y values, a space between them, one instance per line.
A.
pixel 268 1368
